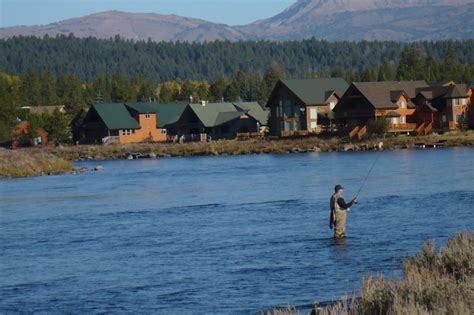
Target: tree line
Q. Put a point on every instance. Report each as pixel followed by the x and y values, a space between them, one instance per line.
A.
pixel 42 87
pixel 158 62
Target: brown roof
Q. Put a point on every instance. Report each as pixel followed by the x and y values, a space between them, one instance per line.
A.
pixel 382 94
pixel 445 91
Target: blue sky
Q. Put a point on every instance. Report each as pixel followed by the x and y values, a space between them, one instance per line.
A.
pixel 232 12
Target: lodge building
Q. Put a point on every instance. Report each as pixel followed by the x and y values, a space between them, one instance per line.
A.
pixel 301 107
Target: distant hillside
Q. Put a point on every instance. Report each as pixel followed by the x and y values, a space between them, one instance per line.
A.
pixel 401 20
pixel 138 26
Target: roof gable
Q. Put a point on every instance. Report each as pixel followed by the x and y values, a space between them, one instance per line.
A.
pixel 444 91
pixel 316 91
pixel 254 110
pixel 166 114
pixel 116 116
pixel 382 94
pixel 215 114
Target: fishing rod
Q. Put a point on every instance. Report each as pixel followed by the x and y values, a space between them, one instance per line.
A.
pixel 368 174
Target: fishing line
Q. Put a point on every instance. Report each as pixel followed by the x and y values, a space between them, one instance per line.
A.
pixel 368 174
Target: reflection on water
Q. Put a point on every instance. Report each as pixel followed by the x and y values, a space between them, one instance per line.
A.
pixel 221 234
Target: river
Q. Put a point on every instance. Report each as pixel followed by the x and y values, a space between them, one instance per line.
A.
pixel 221 234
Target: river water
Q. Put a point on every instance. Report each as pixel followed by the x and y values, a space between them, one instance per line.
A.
pixel 221 234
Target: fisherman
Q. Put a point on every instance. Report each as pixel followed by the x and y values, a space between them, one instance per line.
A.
pixel 339 209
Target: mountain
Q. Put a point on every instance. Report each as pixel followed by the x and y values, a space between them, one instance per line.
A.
pixel 403 20
pixel 138 26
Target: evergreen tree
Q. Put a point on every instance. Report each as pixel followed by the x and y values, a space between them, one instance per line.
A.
pixel 71 93
pixel 411 65
pixel 369 75
pixel 232 93
pixel 218 88
pixel 430 68
pixel 450 66
pixel 48 89
pixel 8 107
pixel 31 89
pixel 274 73
pixel 57 126
pixel 386 72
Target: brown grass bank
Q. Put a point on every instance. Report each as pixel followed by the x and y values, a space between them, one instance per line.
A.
pixel 26 163
pixel 434 282
pixel 253 146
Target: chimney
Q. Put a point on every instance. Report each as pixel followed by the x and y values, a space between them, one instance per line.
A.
pixel 203 103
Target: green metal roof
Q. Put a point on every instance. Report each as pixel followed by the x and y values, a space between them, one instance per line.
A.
pixel 116 116
pixel 165 113
pixel 255 110
pixel 225 117
pixel 142 108
pixel 168 113
pixel 215 114
pixel 316 91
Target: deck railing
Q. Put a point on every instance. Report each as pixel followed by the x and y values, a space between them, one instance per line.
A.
pixel 402 127
pixel 110 139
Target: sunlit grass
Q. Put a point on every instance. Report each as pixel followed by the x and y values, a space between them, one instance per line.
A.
pixel 25 163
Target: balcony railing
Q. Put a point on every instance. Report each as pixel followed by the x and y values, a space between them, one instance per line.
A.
pixel 402 127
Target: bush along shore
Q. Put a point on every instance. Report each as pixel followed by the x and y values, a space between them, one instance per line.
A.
pixel 256 146
pixel 26 163
pixel 434 282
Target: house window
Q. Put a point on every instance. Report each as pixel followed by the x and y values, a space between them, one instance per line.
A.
pixel 288 109
pixel 126 132
pixel 147 116
pixel 313 113
pixel 394 121
pixel 332 105
pixel 163 131
pixel 444 118
pixel 403 104
pixel 457 102
pixel 314 125
pixel 403 119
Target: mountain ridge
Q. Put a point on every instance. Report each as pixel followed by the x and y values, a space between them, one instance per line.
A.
pixel 401 20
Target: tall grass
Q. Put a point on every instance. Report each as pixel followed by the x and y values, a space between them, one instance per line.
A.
pixel 25 163
pixel 433 282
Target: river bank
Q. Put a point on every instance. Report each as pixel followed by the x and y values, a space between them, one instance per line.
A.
pixel 56 160
pixel 255 146
pixel 15 164
pixel 434 281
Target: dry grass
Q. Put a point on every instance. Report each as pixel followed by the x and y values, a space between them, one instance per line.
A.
pixel 25 163
pixel 252 146
pixel 434 282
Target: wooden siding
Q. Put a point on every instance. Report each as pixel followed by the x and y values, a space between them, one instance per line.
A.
pixel 148 131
